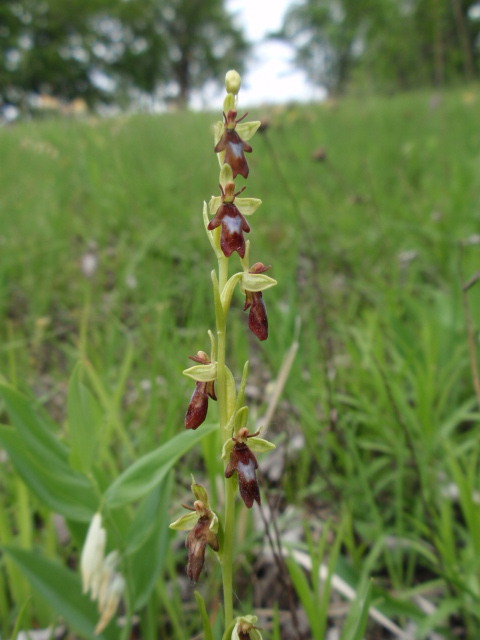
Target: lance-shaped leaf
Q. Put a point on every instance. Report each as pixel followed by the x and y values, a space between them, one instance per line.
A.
pixel 149 470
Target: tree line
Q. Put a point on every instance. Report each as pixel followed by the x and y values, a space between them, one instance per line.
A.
pixel 120 50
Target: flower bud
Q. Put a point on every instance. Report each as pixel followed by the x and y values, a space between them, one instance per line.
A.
pixel 233 81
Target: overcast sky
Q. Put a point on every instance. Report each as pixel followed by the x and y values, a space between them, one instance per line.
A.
pixel 270 77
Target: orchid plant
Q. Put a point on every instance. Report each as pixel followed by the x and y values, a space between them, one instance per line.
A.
pixel 213 526
pixel 225 221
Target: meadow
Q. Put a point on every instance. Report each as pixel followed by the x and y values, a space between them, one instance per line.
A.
pixel 370 220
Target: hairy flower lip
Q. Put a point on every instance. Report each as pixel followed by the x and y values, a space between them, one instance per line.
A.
pixel 257 317
pixel 244 462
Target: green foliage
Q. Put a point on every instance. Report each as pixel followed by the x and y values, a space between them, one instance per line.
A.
pixel 372 245
pixel 383 44
pixel 102 50
pixel 61 588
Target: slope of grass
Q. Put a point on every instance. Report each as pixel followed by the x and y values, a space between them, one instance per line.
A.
pixel 370 245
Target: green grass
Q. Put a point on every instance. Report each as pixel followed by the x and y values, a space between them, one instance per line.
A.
pixel 370 249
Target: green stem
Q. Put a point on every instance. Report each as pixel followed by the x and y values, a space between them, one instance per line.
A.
pixel 229 515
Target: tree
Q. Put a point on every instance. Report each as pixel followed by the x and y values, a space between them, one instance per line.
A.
pixel 174 47
pixel 96 48
pixel 384 44
pixel 46 49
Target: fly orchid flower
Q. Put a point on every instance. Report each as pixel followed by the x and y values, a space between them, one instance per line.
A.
pixel 204 374
pixel 202 523
pixel 244 462
pixel 245 629
pixel 253 283
pixel 233 145
pixel 232 221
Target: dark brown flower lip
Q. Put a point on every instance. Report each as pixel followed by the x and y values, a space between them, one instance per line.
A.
pixel 233 226
pixel 257 316
pixel 233 145
pixel 244 462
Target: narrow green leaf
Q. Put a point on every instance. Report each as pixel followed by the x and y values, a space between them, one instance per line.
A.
pixel 148 552
pixel 207 627
pixel 354 627
pixel 60 488
pixel 61 588
pixel 19 621
pixel 149 470
pixel 34 428
pixel 84 418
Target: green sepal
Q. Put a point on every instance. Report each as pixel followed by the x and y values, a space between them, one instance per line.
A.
pixel 254 634
pixel 241 418
pixel 185 522
pixel 215 202
pixel 213 236
pixel 257 282
pixel 259 445
pixel 218 128
pixel 227 449
pixel 202 372
pixel 247 206
pixel 226 175
pixel 200 493
pixel 247 130
pixel 229 104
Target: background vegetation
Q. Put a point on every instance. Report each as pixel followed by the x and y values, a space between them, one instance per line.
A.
pixel 368 381
pixel 370 220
